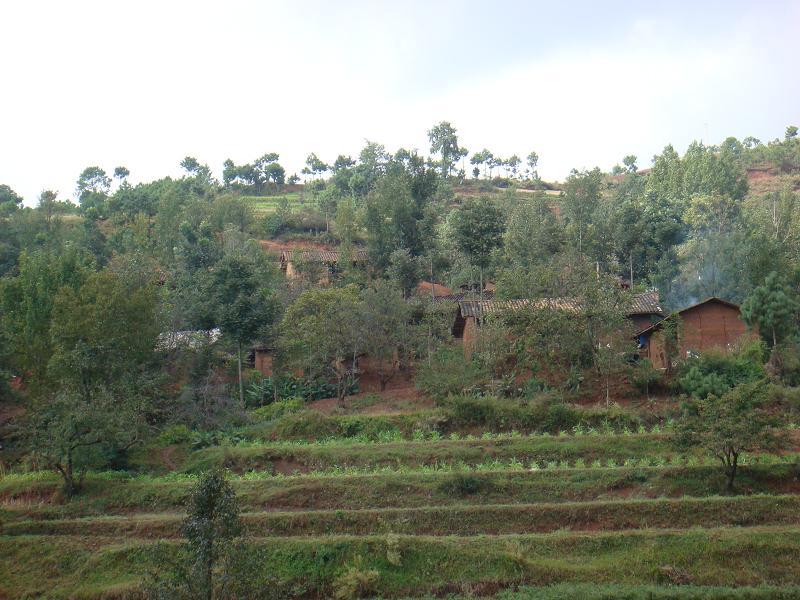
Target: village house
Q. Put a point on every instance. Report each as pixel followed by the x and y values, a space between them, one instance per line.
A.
pixel 644 311
pixel 711 324
pixel 293 262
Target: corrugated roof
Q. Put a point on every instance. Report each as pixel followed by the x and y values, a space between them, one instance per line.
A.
pixel 646 303
pixel 325 256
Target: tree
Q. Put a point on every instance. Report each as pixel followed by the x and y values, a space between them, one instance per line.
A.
pixel 630 163
pixel 774 309
pixel 121 173
pixel 728 425
pixel 791 132
pixel 322 335
pixel 385 325
pixel 404 270
pixel 479 228
pixel 28 302
pixel 93 179
pixel 532 161
pixel 9 200
pixel 190 164
pixel 243 305
pixel 103 338
pixel 444 142
pixel 581 198
pixel 482 159
pixel 314 166
pixel 212 525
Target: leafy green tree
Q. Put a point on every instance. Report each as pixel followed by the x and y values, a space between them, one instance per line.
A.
pixel 103 338
pixel 9 200
pixel 482 159
pixel 190 164
pixel 244 306
pixel 774 309
pixel 321 334
pixel 532 160
pixel 404 270
pixel 121 173
pixel 630 163
pixel 534 233
pixel 202 567
pixel 314 166
pixel 791 132
pixel 444 142
pixel 580 201
pixel 93 179
pixel 387 333
pixel 479 228
pixel 74 430
pixel 28 301
pixel 728 425
pixel 392 219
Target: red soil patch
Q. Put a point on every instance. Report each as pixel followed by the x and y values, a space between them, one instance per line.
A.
pixel 284 466
pixel 399 396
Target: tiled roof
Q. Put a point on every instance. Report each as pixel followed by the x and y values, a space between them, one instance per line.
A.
pixel 646 303
pixel 461 296
pixel 324 256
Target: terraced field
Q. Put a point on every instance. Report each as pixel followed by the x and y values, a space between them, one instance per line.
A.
pixel 608 515
pixel 263 205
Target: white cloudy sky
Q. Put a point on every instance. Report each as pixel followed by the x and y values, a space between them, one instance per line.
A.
pixel 143 84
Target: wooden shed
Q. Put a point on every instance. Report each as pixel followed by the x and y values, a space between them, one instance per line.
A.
pixel 712 323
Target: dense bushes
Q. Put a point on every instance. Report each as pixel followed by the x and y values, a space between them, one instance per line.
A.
pixel 263 392
pixel 312 425
pixel 545 414
pixel 449 373
pixel 715 372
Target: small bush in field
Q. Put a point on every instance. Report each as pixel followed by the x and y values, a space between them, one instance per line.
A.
pixel 278 409
pixel 461 485
pixel 356 581
pixel 449 373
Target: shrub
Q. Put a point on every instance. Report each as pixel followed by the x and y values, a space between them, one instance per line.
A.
pixel 176 434
pixel 449 373
pixel 262 392
pixel 461 485
pixel 356 581
pixel 545 414
pixel 715 372
pixel 279 409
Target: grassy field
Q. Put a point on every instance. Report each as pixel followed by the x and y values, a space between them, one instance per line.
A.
pixel 263 205
pixel 410 505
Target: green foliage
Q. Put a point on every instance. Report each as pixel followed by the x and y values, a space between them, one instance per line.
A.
pixel 479 228
pixel 212 523
pixel 774 309
pixel 322 336
pixel 715 372
pixel 448 372
pixel 278 409
pixel 461 485
pixel 730 424
pixel 262 392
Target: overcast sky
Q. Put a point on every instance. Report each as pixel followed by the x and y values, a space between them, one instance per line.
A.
pixel 143 84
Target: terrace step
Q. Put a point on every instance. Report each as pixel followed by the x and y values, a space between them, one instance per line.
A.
pixel 493 519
